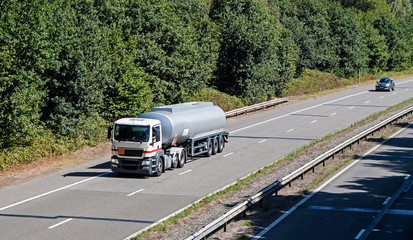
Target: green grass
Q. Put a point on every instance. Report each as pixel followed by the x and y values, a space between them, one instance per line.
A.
pixel 247 223
pixel 48 144
pixel 223 100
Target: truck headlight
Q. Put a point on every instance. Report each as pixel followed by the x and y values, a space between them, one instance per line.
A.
pixel 146 162
pixel 115 161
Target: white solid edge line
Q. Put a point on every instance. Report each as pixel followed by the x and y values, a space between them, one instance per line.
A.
pixel 187 171
pixel 58 224
pixel 130 194
pixel 226 155
pixel 273 224
pixel 53 191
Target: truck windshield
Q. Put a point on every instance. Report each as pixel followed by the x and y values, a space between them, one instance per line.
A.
pixel 131 133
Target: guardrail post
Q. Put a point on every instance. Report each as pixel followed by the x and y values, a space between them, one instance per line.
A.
pixel 324 163
pixel 225 227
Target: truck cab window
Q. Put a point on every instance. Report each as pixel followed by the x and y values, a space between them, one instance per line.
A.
pixel 131 133
pixel 156 133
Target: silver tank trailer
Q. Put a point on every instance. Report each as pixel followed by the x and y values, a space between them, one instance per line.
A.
pixel 187 120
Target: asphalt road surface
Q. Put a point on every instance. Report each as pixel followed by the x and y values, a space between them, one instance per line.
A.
pixel 90 202
pixel 370 199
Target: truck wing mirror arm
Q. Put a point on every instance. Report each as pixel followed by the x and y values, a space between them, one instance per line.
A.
pixel 109 132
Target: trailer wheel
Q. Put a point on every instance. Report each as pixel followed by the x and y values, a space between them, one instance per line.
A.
pixel 215 146
pixel 221 144
pixel 182 159
pixel 209 153
pixel 159 167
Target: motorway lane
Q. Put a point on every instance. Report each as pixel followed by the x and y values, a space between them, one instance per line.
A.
pixel 345 208
pixel 113 207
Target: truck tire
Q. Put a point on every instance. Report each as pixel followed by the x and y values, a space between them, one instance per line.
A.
pixel 182 159
pixel 209 153
pixel 215 146
pixel 175 160
pixel 221 144
pixel 159 167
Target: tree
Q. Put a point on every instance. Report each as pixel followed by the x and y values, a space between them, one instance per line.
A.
pixel 250 61
pixel 175 46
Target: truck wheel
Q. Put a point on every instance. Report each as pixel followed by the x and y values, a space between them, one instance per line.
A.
pixel 221 144
pixel 175 160
pixel 215 146
pixel 209 153
pixel 159 167
pixel 182 159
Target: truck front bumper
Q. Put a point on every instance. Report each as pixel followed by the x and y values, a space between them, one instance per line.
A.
pixel 133 166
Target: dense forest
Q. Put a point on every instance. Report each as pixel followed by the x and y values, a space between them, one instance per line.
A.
pixel 68 68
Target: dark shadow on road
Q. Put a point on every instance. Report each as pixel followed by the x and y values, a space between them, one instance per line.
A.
pixel 308 115
pixel 105 165
pixel 108 175
pixel 75 217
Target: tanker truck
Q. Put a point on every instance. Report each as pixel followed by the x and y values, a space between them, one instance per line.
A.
pixel 164 138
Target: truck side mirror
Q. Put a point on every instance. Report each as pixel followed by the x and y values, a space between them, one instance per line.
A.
pixel 109 132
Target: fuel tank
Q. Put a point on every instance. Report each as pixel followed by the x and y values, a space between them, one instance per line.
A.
pixel 187 120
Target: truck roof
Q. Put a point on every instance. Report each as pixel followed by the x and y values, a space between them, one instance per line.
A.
pixel 137 121
pixel 180 107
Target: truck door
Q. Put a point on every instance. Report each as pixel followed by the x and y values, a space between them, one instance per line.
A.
pixel 156 136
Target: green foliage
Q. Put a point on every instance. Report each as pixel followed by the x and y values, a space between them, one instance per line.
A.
pixel 23 56
pixel 312 81
pixel 250 63
pixel 223 100
pixel 308 21
pixel 69 67
pixel 346 32
pixel 174 44
pixel 377 50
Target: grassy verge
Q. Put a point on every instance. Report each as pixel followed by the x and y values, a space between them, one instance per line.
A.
pixel 224 101
pixel 48 144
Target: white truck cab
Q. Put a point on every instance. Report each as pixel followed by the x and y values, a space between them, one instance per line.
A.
pixel 135 140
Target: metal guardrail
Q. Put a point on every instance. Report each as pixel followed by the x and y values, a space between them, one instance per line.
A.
pixel 255 107
pixel 299 173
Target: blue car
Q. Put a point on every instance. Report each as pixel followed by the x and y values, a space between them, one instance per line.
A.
pixel 385 83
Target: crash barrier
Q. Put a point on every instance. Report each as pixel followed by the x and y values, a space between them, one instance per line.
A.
pixel 255 107
pixel 223 220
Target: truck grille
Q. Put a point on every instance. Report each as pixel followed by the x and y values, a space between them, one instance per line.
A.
pixel 133 153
